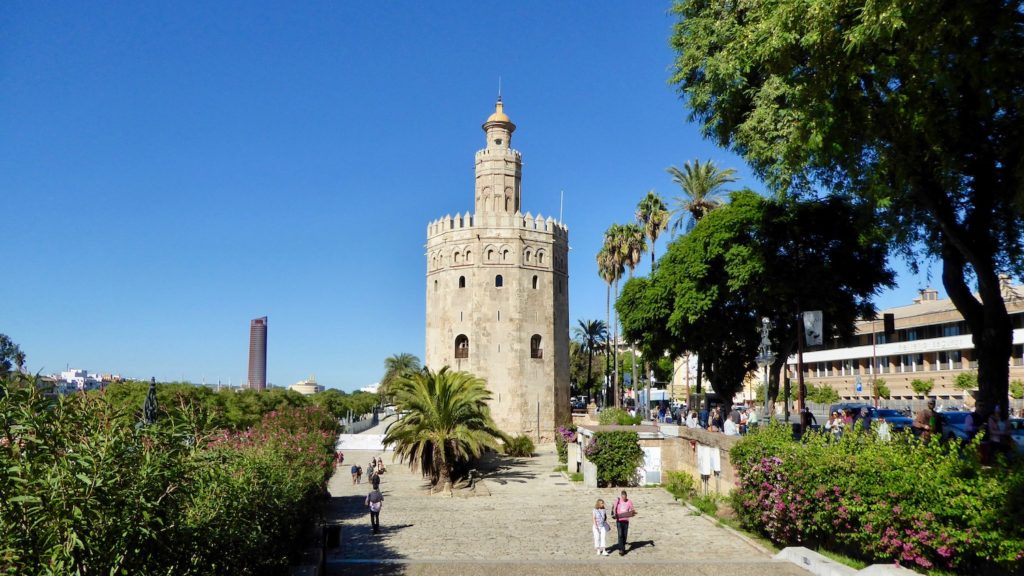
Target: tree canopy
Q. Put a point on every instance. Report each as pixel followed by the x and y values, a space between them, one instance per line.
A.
pixel 11 356
pixel 752 258
pixel 914 107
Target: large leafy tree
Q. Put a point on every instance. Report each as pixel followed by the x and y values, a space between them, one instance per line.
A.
pixel 591 335
pixel 447 422
pixel 703 188
pixel 11 356
pixel 913 106
pixel 395 367
pixel 752 258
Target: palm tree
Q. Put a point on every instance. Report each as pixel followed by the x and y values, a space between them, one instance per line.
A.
pixel 591 334
pixel 653 215
pixel 703 186
pixel 615 246
pixel 633 245
pixel 447 422
pixel 606 270
pixel 396 367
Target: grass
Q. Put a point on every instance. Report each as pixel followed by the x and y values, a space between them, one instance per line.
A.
pixel 576 477
pixel 840 558
pixel 562 468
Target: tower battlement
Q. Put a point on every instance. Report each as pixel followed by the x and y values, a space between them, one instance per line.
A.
pixel 527 222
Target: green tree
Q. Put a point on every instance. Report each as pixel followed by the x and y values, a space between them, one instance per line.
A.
pixel 447 422
pixel 617 456
pixel 652 214
pixel 756 257
pixel 881 389
pixel 914 107
pixel 613 262
pixel 703 187
pixel 633 244
pixel 823 394
pixel 11 356
pixel 591 335
pixel 922 386
pixel 395 367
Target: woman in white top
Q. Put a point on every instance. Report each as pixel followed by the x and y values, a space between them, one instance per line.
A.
pixel 691 420
pixel 600 518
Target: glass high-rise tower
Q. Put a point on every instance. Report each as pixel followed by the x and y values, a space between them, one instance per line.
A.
pixel 258 354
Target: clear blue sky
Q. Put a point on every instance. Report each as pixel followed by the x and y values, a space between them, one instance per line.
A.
pixel 169 171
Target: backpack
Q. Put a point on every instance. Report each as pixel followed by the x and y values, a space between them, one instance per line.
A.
pixel 375 499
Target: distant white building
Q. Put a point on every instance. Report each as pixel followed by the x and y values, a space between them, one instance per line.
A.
pixel 307 387
pixel 78 381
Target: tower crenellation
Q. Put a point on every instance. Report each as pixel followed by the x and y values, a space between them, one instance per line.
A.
pixel 497 293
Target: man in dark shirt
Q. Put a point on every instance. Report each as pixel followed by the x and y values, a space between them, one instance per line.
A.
pixel 923 421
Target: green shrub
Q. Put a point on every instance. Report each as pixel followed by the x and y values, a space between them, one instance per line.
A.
pixel 680 485
pixel 616 455
pixel 929 505
pixel 921 386
pixel 576 477
pixel 520 445
pixel 1016 389
pixel 706 503
pixel 966 381
pixel 823 394
pixel 618 416
pixel 86 490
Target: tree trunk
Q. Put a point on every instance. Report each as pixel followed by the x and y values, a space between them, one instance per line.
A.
pixel 590 368
pixel 607 340
pixel 615 351
pixel 991 330
pixel 632 354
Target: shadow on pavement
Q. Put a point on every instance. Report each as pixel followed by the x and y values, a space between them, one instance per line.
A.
pixel 502 469
pixel 358 542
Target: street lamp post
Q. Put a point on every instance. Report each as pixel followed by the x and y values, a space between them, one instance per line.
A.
pixel 765 358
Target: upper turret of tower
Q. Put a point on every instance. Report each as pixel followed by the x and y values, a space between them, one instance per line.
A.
pixel 499 128
pixel 498 167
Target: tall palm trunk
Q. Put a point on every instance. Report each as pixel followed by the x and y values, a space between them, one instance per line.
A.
pixel 615 352
pixel 632 355
pixel 607 340
pixel 590 368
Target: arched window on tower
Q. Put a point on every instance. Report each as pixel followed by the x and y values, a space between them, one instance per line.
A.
pixel 508 204
pixel 535 349
pixel 435 285
pixel 535 281
pixel 528 254
pixel 469 257
pixel 504 256
pixel 498 281
pixel 462 346
pixel 462 281
pixel 457 258
pixel 540 257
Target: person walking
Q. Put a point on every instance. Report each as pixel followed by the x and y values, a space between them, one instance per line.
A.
pixel 375 501
pixel 601 527
pixel 622 512
pixel 355 474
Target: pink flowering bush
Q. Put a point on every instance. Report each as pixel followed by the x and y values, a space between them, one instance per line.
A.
pixel 924 506
pixel 565 435
pixel 86 489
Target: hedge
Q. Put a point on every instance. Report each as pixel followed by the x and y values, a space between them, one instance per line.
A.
pixel 923 505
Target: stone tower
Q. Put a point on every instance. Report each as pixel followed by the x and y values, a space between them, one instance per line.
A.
pixel 498 294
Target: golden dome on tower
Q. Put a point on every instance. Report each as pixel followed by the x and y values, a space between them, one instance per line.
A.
pixel 499 115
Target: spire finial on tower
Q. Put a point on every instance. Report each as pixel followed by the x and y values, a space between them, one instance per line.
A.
pixel 499 88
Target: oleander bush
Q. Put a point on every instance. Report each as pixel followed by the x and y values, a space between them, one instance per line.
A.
pixel 563 437
pixel 87 489
pixel 519 446
pixel 616 455
pixel 923 505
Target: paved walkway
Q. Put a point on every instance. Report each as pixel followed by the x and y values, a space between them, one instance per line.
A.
pixel 524 518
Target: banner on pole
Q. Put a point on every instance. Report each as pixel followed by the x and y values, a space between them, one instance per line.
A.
pixel 812 328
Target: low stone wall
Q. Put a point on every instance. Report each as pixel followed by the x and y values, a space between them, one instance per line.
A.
pixel 679 453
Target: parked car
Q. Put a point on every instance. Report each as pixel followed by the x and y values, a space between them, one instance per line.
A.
pixel 1017 434
pixel 897 419
pixel 954 426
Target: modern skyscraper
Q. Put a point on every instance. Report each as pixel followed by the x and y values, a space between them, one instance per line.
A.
pixel 258 354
